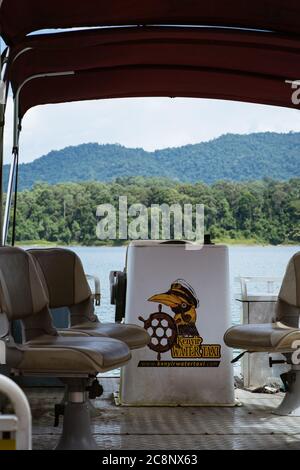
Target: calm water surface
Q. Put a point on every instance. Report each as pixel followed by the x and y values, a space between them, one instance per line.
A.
pixel 244 261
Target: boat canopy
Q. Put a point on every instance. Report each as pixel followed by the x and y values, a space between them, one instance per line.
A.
pixel 236 65
pixel 21 17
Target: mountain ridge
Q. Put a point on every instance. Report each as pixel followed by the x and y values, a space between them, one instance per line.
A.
pixel 232 157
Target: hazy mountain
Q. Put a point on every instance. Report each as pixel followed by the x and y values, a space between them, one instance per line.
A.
pixel 231 157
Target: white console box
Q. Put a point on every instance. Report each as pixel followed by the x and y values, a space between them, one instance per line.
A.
pixel 197 369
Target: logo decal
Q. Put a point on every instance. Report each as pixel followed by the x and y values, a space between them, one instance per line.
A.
pixel 178 333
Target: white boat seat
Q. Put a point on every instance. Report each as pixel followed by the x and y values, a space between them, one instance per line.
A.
pixel 76 360
pixel 77 354
pixel 277 336
pixel 22 297
pixel 134 336
pixel 64 280
pixel 282 336
pixel 265 337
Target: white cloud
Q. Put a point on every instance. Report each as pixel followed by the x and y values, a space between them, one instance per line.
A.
pixel 150 123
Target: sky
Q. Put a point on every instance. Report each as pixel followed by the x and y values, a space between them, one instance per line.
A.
pixel 150 123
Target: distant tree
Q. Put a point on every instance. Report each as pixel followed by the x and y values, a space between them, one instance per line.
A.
pixel 267 211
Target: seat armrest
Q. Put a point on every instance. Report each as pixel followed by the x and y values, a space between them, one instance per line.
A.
pixel 97 288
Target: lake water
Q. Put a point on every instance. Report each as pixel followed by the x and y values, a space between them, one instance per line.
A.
pixel 254 261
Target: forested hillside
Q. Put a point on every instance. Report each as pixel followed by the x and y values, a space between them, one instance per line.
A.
pixel 263 211
pixel 230 157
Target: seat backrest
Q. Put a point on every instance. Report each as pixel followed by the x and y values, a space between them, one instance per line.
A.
pixel 63 274
pixel 288 305
pixel 22 296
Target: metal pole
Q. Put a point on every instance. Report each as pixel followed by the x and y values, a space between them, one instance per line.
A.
pixel 9 196
pixel 3 100
pixel 15 152
pixel 2 113
pixel 1 161
pixel 12 171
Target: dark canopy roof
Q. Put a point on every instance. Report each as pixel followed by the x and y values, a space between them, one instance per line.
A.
pixel 20 17
pixel 131 62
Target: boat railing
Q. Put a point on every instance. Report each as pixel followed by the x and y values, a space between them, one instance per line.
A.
pixel 97 288
pixel 258 297
pixel 17 425
pixel 270 290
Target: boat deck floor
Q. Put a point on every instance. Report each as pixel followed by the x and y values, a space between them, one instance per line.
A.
pixel 251 426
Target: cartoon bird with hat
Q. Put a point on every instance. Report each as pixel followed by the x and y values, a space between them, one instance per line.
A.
pixel 183 301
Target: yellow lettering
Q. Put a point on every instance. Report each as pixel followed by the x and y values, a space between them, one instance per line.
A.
pixel 192 348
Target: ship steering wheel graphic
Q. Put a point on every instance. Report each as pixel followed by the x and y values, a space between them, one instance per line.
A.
pixel 163 331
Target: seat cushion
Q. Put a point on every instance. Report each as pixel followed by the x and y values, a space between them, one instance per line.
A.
pixel 134 336
pixel 76 354
pixel 262 337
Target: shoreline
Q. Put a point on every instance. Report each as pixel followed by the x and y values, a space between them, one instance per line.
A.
pixel 229 242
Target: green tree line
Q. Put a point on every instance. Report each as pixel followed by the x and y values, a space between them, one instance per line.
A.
pixel 264 211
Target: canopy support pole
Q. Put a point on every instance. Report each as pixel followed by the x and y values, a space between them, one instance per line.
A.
pixel 15 152
pixel 13 166
pixel 3 101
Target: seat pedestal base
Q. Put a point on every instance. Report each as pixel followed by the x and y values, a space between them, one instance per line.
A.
pixel 94 412
pixel 290 405
pixel 77 433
